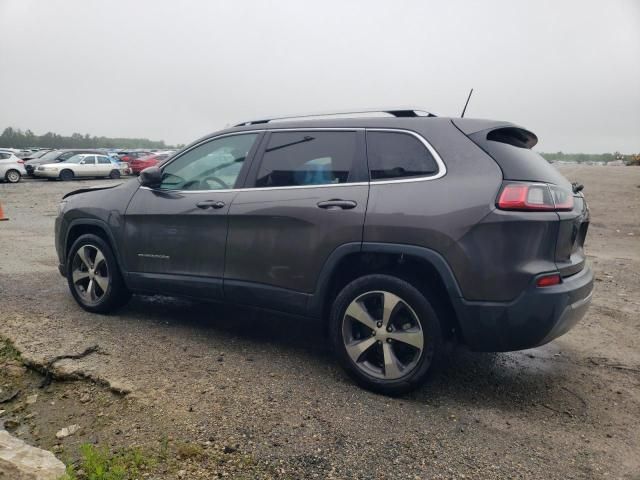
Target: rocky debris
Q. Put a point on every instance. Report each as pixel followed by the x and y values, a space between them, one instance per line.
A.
pixel 14 369
pixel 19 461
pixel 67 431
pixel 32 399
pixel 11 424
pixel 9 397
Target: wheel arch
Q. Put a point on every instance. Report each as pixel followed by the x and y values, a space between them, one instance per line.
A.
pixel 79 227
pixel 423 267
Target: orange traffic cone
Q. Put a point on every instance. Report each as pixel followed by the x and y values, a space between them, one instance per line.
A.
pixel 2 217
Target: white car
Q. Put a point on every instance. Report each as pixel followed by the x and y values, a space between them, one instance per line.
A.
pixel 82 165
pixel 11 167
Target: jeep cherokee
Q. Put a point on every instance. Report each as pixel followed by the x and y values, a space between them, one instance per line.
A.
pixel 401 231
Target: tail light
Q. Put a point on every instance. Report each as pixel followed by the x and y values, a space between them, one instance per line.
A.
pixel 20 161
pixel 539 197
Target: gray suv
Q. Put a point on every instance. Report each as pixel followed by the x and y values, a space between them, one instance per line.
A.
pixel 401 232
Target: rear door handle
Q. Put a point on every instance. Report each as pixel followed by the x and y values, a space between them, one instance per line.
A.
pixel 336 204
pixel 210 204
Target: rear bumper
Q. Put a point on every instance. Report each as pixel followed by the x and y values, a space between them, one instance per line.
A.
pixel 536 317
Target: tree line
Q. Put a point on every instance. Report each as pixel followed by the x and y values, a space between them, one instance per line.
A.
pixel 16 138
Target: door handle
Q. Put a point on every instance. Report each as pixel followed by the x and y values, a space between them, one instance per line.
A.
pixel 335 204
pixel 210 204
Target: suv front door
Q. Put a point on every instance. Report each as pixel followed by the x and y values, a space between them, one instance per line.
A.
pixel 307 194
pixel 174 238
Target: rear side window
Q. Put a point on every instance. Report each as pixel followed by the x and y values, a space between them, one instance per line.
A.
pixel 394 155
pixel 307 158
pixel 102 159
pixel 4 156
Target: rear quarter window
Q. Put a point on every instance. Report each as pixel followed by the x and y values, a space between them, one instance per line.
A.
pixel 395 155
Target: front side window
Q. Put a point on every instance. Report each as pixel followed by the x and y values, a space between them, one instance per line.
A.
pixel 89 160
pixel 394 155
pixel 214 165
pixel 307 158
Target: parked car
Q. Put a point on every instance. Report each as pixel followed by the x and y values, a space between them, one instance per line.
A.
pixel 11 167
pixel 123 167
pixel 81 165
pixel 35 154
pixel 139 164
pixel 401 233
pixel 55 156
pixel 129 155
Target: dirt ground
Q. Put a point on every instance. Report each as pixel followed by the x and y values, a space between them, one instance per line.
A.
pixel 218 391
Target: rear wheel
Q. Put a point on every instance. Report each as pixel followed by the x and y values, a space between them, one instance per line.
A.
pixel 114 174
pixel 385 333
pixel 13 176
pixel 94 277
pixel 66 175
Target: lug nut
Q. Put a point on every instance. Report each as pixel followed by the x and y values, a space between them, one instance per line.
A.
pixel 379 324
pixel 379 342
pixel 373 333
pixel 389 340
pixel 388 329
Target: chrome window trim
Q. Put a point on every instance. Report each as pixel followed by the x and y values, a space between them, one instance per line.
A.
pixel 442 169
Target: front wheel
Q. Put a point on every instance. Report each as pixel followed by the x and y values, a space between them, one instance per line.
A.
pixel 94 277
pixel 13 176
pixel 114 174
pixel 66 175
pixel 385 333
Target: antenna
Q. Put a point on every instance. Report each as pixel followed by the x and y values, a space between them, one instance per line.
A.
pixel 465 105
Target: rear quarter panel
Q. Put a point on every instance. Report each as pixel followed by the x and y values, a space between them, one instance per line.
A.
pixel 456 216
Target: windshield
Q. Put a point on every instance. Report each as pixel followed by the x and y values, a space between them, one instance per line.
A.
pixel 50 155
pixel 75 159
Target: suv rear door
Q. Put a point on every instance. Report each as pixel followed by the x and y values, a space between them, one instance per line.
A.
pixel 306 196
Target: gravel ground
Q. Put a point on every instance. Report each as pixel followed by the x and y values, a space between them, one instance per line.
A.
pixel 266 385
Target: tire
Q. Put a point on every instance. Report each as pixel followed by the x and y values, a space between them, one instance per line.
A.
pixel 114 174
pixel 365 347
pixel 66 175
pixel 108 291
pixel 12 176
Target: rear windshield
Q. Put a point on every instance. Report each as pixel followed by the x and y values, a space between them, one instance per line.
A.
pixel 517 162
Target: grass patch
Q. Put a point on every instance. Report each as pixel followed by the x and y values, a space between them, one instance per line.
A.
pixel 100 464
pixel 188 451
pixel 8 351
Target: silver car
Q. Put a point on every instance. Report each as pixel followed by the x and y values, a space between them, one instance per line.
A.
pixel 81 165
pixel 11 167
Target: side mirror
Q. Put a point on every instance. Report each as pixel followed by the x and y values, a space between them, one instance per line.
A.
pixel 150 177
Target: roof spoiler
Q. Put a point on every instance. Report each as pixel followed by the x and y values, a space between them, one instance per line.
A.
pixel 503 132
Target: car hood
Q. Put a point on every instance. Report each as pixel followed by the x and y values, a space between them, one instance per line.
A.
pixel 92 189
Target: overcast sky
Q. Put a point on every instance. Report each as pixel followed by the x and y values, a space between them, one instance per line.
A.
pixel 175 70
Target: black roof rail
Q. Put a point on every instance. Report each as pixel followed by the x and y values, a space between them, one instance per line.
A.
pixel 395 112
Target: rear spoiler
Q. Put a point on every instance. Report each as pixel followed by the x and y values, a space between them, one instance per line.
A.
pixel 503 132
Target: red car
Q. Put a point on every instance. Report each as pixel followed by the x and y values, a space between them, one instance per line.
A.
pixel 139 164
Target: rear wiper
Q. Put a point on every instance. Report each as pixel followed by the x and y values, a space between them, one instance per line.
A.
pixel 577 187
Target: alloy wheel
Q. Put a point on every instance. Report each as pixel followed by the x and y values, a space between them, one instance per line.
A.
pixel 90 274
pixel 13 176
pixel 382 335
